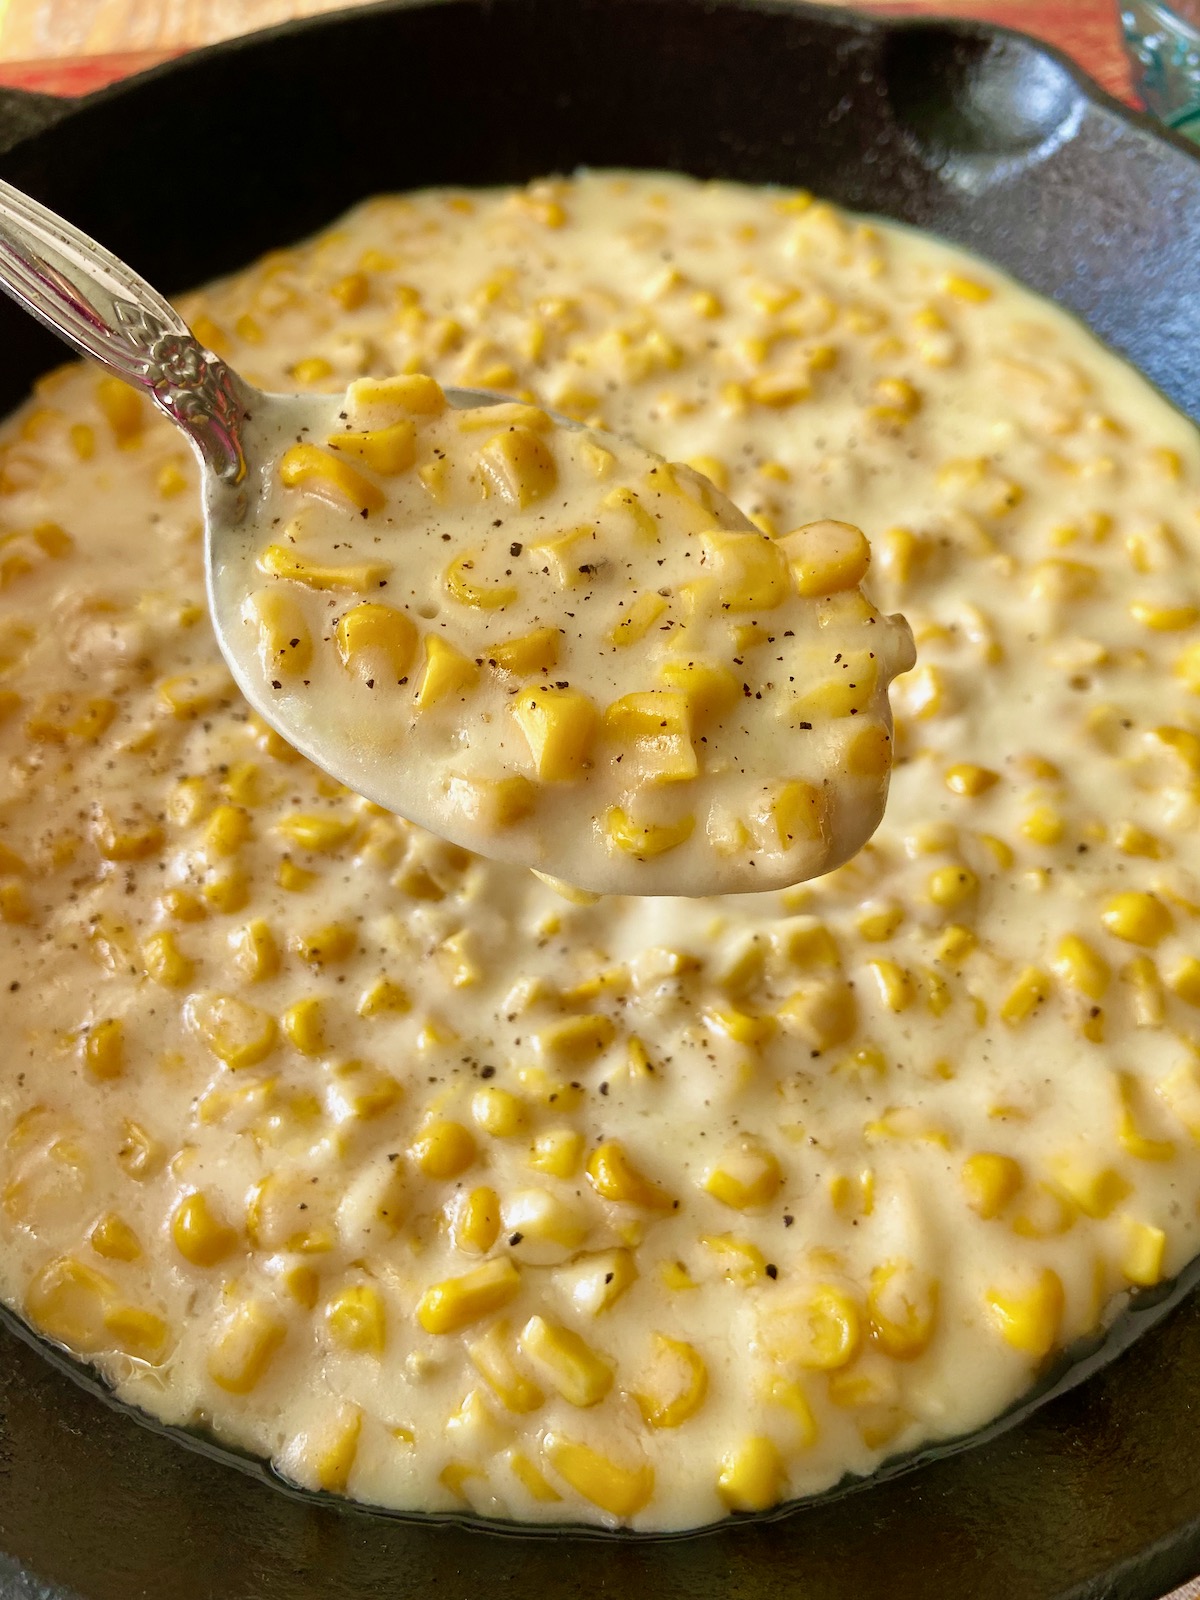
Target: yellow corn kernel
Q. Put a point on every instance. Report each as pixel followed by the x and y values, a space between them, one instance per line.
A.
pixel 826 557
pixel 820 1329
pixel 334 1460
pixel 492 1357
pixel 122 408
pixel 561 554
pixel 566 1362
pixel 560 728
pixel 1131 840
pixel 625 500
pixel 752 1477
pixel 277 561
pixel 902 1306
pixel 1184 980
pixel 1081 967
pixel 138 1332
pixel 128 842
pixel 322 833
pixel 1096 1190
pixel 315 471
pixel 138 1154
pixel 575 1041
pixel 165 962
pixel 376 641
pixel 499 1112
pixel 238 1034
pixel 519 466
pixel 1129 1133
pixel 443 1149
pixel 379 399
pixel 951 887
pixel 531 652
pixel 384 996
pixel 476 1221
pixel 387 451
pixel 312 370
pixel 1161 618
pixel 199 1236
pixel 284 639
pixel 325 947
pixel 710 688
pixel 1031 990
pixel 740 1261
pixel 789 1397
pixel 747 1178
pixel 83 440
pixel 458 1302
pixel 356 1319
pixel 557 1152
pixel 869 752
pixel 113 1238
pixel 969 289
pixel 740 1026
pixel 879 922
pixel 530 1479
pixel 969 780
pixel 657 726
pixel 646 840
pixel 752 571
pixel 254 951
pixel 1187 667
pixel 494 802
pixel 620 1491
pixel 1029 1319
pixel 613 1176
pixel 246 1341
pixel 1137 917
pixel 68 1300
pixel 226 830
pixel 824 1013
pixel 896 987
pixel 104 1049
pixel 1142 1252
pixel 681 1384
pixel 15 904
pixel 676 1277
pixel 460 586
pixel 447 672
pixel 990 1181
pixel 636 623
pixel 304 1025
pixel 1148 1000
pixel 1042 825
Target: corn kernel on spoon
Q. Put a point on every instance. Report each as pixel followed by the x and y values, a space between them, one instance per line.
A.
pixel 536 639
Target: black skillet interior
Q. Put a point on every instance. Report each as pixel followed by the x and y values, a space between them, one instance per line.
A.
pixel 976 134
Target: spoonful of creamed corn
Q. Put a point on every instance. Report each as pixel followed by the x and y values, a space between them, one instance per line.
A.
pixel 533 638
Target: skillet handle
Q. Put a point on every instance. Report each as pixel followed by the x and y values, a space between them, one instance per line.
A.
pixel 105 311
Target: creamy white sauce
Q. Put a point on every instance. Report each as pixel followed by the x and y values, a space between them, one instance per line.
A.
pixel 960 1136
pixel 548 645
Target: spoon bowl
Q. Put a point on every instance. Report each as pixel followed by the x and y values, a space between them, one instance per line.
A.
pixel 716 756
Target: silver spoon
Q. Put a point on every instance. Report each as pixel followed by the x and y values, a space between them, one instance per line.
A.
pixel 106 312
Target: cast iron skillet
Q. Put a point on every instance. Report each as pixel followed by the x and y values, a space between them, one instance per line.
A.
pixel 975 133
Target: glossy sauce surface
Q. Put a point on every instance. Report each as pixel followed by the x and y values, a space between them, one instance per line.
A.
pixel 444 1190
pixel 546 644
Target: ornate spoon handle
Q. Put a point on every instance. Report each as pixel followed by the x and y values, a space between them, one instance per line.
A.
pixel 106 312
